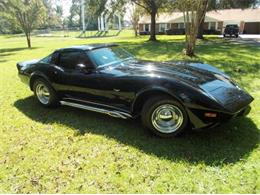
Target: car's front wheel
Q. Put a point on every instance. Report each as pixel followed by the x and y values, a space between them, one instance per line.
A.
pixel 44 93
pixel 164 116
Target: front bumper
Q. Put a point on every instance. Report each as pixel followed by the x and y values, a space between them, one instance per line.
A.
pixel 244 112
pixel 199 120
pixel 24 78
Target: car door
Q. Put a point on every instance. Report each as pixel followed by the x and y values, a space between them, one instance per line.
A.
pixel 76 78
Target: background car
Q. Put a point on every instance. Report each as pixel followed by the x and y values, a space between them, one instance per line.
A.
pixel 231 30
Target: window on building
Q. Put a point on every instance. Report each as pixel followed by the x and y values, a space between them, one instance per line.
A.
pixel 174 25
pixel 212 25
pixel 180 25
pixel 162 27
pixel 147 27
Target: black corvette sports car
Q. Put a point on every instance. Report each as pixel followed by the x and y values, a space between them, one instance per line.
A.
pixel 169 97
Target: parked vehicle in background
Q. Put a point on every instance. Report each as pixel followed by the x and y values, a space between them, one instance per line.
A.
pixel 231 30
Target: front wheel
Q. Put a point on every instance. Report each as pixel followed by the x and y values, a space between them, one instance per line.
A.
pixel 44 93
pixel 164 116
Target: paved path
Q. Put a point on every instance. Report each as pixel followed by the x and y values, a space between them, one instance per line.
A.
pixel 245 39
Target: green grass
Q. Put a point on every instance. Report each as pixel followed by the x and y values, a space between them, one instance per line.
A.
pixel 67 150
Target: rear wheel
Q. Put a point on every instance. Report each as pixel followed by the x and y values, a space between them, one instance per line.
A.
pixel 44 93
pixel 164 116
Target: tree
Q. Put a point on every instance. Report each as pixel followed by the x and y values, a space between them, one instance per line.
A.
pixel 111 8
pixel 135 13
pixel 193 11
pixel 54 14
pixel 74 18
pixel 224 4
pixel 58 16
pixel 227 4
pixel 8 26
pixel 26 13
pixel 93 9
pixel 152 7
pixel 202 16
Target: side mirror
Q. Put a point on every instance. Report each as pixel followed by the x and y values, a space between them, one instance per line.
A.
pixel 83 68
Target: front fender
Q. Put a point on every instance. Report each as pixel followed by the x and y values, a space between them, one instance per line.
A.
pixel 147 92
pixel 37 74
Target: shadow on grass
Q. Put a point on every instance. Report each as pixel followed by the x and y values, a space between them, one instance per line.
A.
pixel 227 144
pixel 10 51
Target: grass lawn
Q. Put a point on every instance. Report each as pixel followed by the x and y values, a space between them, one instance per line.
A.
pixel 67 150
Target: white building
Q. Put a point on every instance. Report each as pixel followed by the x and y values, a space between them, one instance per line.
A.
pixel 248 21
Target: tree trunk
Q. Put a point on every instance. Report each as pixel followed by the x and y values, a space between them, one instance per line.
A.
pixel 190 45
pixel 193 17
pixel 136 33
pixel 189 50
pixel 153 26
pixel 28 38
pixel 201 29
pixel 136 28
pixel 201 13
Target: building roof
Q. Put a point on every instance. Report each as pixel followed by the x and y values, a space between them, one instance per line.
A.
pixel 246 15
pixel 161 18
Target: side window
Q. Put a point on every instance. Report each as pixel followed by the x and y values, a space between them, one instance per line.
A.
pixel 55 58
pixel 70 59
pixel 83 59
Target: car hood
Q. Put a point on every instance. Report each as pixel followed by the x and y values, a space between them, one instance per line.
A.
pixel 25 64
pixel 194 74
pixel 29 62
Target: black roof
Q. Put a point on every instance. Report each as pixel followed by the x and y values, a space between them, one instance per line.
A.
pixel 88 47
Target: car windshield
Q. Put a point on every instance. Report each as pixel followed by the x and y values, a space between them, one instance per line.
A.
pixel 47 59
pixel 232 26
pixel 109 55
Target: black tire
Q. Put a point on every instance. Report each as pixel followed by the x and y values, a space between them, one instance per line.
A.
pixel 53 100
pixel 149 109
pixel 224 35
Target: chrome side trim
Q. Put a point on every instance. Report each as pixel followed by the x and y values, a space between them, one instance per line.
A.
pixel 88 102
pixel 113 113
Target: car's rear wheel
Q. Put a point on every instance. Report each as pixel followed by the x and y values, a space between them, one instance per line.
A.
pixel 164 116
pixel 44 93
